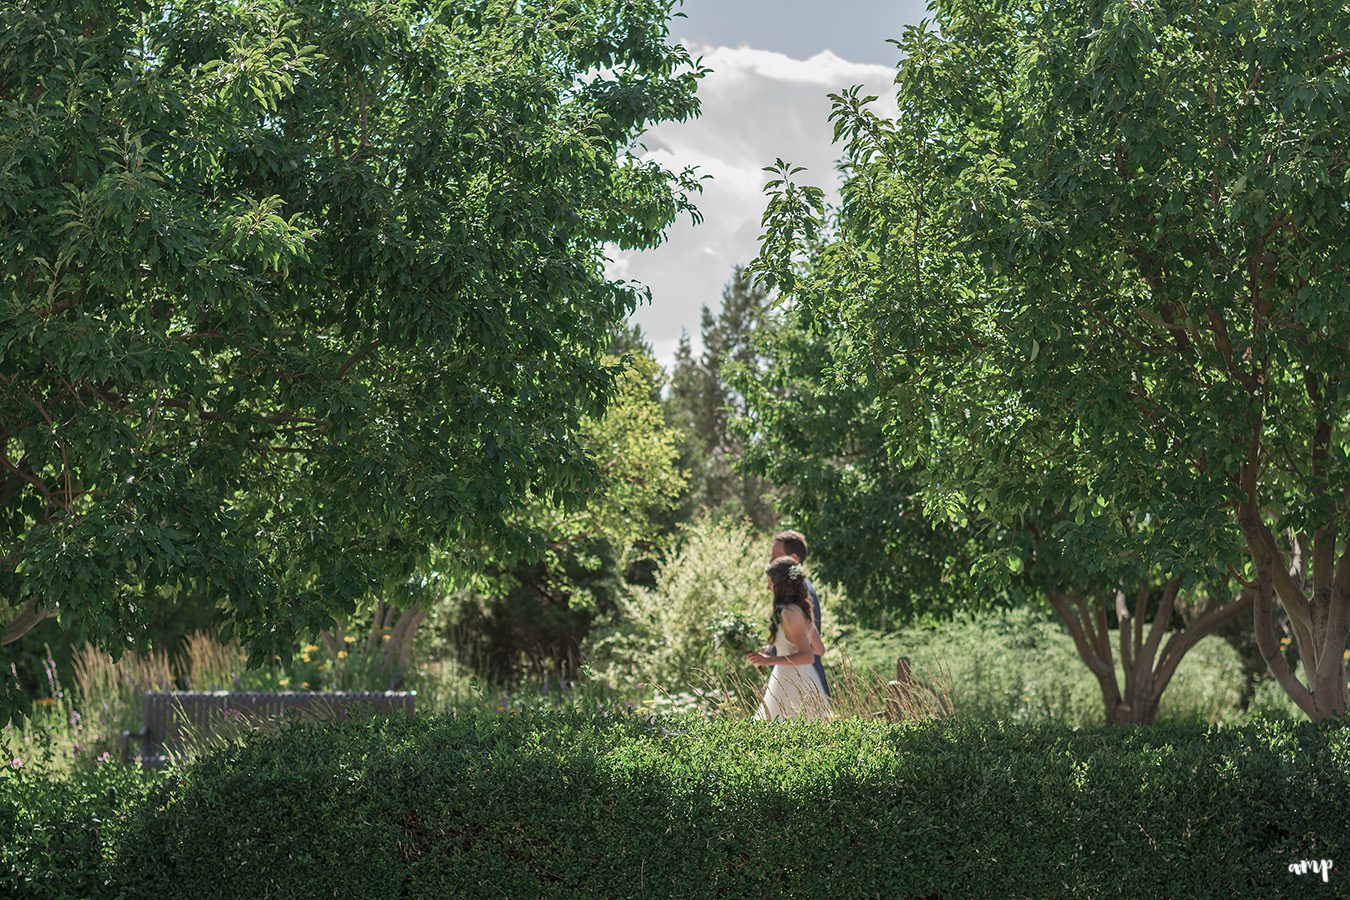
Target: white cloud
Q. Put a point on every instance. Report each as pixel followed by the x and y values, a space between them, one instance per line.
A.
pixel 757 106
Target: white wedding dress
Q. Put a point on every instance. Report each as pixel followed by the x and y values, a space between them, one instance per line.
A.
pixel 794 692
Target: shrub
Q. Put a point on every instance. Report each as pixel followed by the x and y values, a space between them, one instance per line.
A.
pixel 663 633
pixel 58 825
pixel 564 805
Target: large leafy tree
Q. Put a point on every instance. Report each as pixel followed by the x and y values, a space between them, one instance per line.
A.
pixel 1125 222
pixel 814 431
pixel 914 535
pixel 291 292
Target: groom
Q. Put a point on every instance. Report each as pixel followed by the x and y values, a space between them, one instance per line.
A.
pixel 791 543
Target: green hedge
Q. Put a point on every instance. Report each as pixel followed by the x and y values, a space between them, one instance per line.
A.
pixel 56 833
pixel 558 805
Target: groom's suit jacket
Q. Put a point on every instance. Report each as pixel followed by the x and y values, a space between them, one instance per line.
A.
pixel 815 612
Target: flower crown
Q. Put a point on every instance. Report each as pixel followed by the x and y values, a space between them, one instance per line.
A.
pixel 797 572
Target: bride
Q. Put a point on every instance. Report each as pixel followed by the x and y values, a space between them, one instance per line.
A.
pixel 794 690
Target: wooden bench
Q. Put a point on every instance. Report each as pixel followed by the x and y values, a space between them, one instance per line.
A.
pixel 172 716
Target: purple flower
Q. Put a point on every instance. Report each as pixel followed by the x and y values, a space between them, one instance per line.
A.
pixel 16 763
pixel 105 756
pixel 74 718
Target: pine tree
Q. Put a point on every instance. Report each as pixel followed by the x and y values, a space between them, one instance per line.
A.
pixel 702 404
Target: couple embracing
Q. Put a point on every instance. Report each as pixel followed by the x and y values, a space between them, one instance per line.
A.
pixel 797 687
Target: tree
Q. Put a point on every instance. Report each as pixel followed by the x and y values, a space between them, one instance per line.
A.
pixel 904 545
pixel 1103 578
pixel 703 401
pixel 538 608
pixel 1130 220
pixel 291 292
pixel 816 433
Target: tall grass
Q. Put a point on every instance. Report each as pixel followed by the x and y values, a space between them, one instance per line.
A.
pixel 81 724
pixel 1022 667
pixel 209 665
pixel 102 681
pixel 855 693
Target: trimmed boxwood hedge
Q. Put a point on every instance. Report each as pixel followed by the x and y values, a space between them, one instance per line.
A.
pixel 562 805
pixel 56 833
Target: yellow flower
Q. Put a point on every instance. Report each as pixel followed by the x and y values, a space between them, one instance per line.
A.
pixel 310 648
pixel 386 637
pixel 284 682
pixel 46 701
pixel 351 639
pixel 305 685
pixel 342 654
pixel 1345 655
pixel 304 657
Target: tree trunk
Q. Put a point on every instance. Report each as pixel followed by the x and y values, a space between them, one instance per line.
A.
pixel 1148 670
pixel 1311 582
pixel 396 651
pixel 1140 709
pixel 1319 614
pixel 399 649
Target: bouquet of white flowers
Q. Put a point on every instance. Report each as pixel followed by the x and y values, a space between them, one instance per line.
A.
pixel 735 633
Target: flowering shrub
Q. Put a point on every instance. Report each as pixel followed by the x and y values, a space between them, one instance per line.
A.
pixel 663 635
pixel 59 823
pixel 345 662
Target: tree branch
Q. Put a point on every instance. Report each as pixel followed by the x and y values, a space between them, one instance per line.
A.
pixel 1162 618
pixel 355 358
pixel 28 619
pixel 1060 603
pixel 1181 642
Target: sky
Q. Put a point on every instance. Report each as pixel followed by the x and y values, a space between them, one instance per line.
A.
pixel 774 63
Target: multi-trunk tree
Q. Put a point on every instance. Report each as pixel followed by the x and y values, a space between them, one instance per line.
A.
pixel 291 292
pixel 911 530
pixel 1127 219
pixel 1132 619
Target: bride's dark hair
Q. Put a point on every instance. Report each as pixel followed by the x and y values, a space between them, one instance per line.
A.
pixel 789 589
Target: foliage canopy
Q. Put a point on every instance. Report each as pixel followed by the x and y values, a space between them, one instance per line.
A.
pixel 1098 264
pixel 291 292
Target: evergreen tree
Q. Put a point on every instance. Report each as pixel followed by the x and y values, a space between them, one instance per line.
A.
pixel 703 403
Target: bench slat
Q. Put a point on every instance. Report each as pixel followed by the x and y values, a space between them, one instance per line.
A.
pixel 171 715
